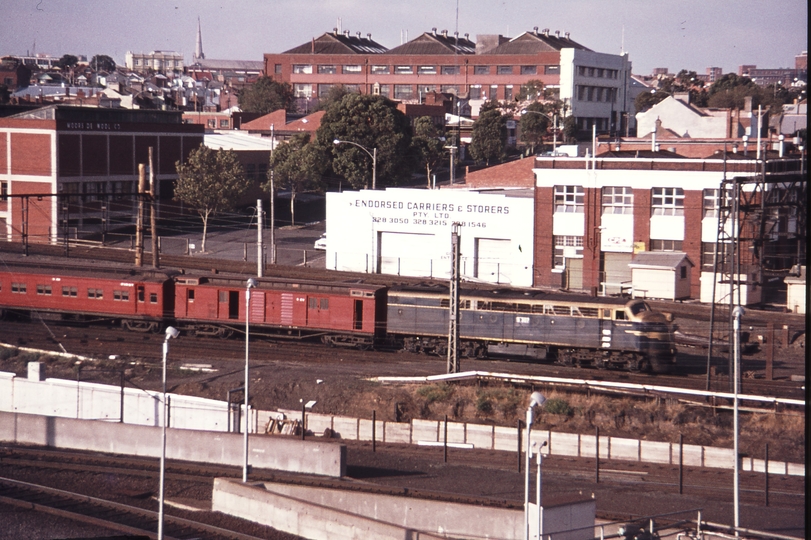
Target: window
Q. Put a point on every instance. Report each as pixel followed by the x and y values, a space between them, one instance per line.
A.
pixel 708 254
pixel 223 297
pixel 3 191
pixel 352 69
pixel 380 70
pixel 618 200
pixel 569 199
pixel 303 90
pixel 250 171
pixel 599 72
pixel 450 70
pixel 323 90
pixel 711 203
pixel 211 123
pixel 18 288
pixel 277 68
pixel 476 91
pixel 508 92
pixel 426 70
pixel 551 70
pixel 403 70
pixel 481 70
pixel 403 91
pixel 302 69
pixel 683 272
pixel 504 70
pixel 72 292
pixel 567 247
pixel 224 124
pixel 327 69
pixel 590 71
pixel 668 202
pixel 324 304
pixel 493 92
pixel 44 290
pixel 665 245
pixel 97 294
pixel 529 70
pixel 581 70
pixel 121 296
pixel 153 298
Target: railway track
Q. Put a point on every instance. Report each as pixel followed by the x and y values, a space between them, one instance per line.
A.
pixel 107 514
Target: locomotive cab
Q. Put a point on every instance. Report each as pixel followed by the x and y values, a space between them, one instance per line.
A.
pixel 654 332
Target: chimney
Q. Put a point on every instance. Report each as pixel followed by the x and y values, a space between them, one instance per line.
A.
pixel 567 35
pixel 433 31
pixel 369 36
pixel 357 34
pixel 535 30
pixel 557 34
pixel 444 33
pixel 346 33
pixel 334 31
pixel 546 32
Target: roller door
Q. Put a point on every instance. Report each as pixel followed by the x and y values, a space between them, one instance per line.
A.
pixel 403 254
pixel 616 271
pixel 492 260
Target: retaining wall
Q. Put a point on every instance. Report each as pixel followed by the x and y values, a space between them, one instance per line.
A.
pixel 280 453
pixel 336 514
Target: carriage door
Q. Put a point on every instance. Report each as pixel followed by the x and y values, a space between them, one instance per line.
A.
pixel 233 304
pixel 140 296
pixel 357 317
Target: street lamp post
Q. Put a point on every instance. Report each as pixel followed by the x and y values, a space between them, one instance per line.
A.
pixel 372 154
pixel 250 285
pixel 737 313
pixel 537 399
pixel 171 332
pixel 554 119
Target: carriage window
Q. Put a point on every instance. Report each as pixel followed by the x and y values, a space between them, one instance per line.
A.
pixel 44 289
pixel 537 308
pixel 153 298
pixel 589 311
pixel 325 303
pixel 522 308
pixel 190 295
pixel 223 297
pixel 562 310
pixel 445 302
pixel 606 314
pixel 70 291
pixel 481 304
pixel 619 315
pixel 312 303
pixel 95 293
pixel 18 288
pixel 121 296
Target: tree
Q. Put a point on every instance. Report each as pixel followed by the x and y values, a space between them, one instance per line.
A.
pixel 569 128
pixel 102 62
pixel 373 122
pixel 68 61
pixel 532 90
pixel 428 144
pixel 334 95
pixel 489 136
pixel 646 100
pixel 731 91
pixel 296 165
pixel 265 96
pixel 210 182
pixel 533 125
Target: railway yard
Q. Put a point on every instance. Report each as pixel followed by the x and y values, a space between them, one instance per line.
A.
pixel 286 373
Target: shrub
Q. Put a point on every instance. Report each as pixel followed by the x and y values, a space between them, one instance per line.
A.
pixel 435 392
pixel 483 404
pixel 558 406
pixel 8 352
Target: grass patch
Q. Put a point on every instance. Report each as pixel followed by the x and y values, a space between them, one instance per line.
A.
pixel 435 393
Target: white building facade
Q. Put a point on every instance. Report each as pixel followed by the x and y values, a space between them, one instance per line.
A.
pixel 408 232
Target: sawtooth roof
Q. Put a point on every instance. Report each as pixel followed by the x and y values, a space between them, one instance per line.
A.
pixel 536 42
pixel 335 43
pixel 434 43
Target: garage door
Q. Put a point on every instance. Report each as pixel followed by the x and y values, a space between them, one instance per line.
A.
pixel 492 260
pixel 404 254
pixel 617 272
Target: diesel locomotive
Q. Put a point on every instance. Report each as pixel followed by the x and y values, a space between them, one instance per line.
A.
pixel 571 329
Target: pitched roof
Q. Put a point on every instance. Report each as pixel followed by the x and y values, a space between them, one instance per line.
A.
pixel 335 43
pixel 434 43
pixel 659 259
pixel 535 42
pixel 263 123
pixel 235 65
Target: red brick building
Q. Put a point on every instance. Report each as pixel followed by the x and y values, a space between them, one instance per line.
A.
pixel 80 167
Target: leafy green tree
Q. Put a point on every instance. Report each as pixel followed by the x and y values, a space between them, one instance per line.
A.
pixel 429 145
pixel 68 61
pixel 334 95
pixel 297 165
pixel 265 96
pixel 489 136
pixel 102 62
pixel 646 100
pixel 569 128
pixel 533 125
pixel 210 181
pixel 731 91
pixel 532 90
pixel 373 122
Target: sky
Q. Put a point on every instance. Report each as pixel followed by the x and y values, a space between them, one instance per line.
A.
pixel 684 34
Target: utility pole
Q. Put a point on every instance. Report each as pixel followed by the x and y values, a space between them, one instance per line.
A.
pixel 153 219
pixel 272 200
pixel 260 247
pixel 139 219
pixel 453 315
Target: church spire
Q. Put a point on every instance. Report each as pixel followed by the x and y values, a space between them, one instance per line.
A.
pixel 198 49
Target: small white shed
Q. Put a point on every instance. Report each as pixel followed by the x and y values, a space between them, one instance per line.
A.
pixel 796 291
pixel 661 274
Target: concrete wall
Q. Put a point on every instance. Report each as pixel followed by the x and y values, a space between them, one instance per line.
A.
pixel 286 454
pixel 326 513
